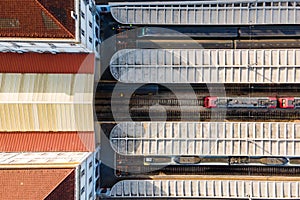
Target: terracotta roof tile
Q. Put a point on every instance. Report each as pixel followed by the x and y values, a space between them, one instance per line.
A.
pixel 37 19
pixel 34 184
pixel 65 190
pixel 61 10
pixel 46 63
pixel 46 141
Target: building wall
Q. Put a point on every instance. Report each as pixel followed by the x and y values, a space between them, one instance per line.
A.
pixel 88 26
pixel 87 179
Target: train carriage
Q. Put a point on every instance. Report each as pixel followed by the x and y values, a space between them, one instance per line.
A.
pixel 240 102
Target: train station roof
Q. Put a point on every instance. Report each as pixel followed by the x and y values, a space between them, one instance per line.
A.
pixel 206 65
pixel 37 19
pixel 206 138
pixel 224 12
pixel 203 189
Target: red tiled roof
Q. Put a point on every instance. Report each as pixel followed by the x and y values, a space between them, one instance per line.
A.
pixel 61 10
pixel 34 184
pixel 65 190
pixel 37 19
pixel 47 63
pixel 46 141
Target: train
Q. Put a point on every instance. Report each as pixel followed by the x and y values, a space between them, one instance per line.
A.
pixel 219 31
pixel 252 102
pixel 220 160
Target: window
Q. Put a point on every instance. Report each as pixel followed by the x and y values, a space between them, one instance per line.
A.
pixel 97 32
pixel 82 15
pixel 291 3
pixel 268 4
pixel 260 4
pixel 82 190
pixel 90 24
pixel 82 32
pixel 90 179
pixel 90 164
pixel 90 195
pixel 104 9
pixel 82 173
pixel 96 45
pixel 96 172
pixel 9 23
pixel 90 40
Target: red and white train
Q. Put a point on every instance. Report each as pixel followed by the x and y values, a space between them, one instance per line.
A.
pixel 251 102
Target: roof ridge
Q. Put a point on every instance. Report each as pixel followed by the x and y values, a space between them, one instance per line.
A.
pixel 54 18
pixel 71 170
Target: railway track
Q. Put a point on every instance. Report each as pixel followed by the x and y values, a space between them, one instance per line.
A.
pixel 138 166
pixel 105 88
pixel 146 171
pixel 194 113
pixel 164 105
pixel 218 44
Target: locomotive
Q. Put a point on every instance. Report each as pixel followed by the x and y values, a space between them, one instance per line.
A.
pixel 251 102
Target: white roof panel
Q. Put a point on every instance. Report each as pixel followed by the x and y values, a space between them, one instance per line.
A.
pixel 198 189
pixel 206 65
pixel 66 46
pixel 42 157
pixel 232 12
pixel 207 138
pixel 46 102
pixel 46 88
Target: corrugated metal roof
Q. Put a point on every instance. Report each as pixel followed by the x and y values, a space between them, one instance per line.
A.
pixel 207 138
pixel 228 12
pixel 46 141
pixel 47 62
pixel 46 88
pixel 46 117
pixel 206 189
pixel 38 19
pixel 206 65
pixel 29 184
